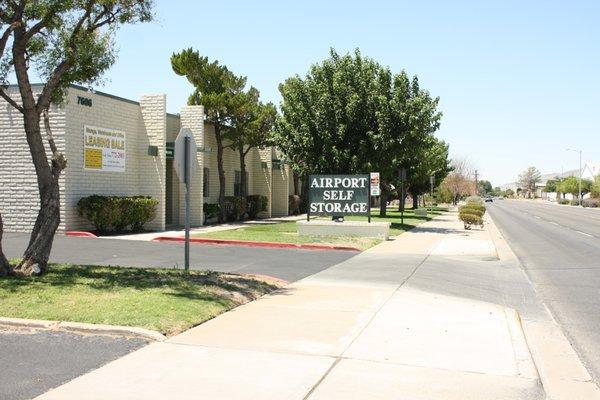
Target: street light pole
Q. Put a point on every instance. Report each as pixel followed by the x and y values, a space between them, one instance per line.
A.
pixel 580 172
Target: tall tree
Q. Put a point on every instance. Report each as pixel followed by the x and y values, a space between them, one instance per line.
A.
pixel 460 181
pixel 485 187
pixel 351 115
pixel 529 179
pixel 433 161
pixel 219 91
pixel 63 41
pixel 252 126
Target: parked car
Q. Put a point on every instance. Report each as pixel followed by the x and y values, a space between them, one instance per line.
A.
pixel 489 200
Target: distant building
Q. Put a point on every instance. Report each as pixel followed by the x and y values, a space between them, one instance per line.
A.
pixel 116 146
pixel 589 171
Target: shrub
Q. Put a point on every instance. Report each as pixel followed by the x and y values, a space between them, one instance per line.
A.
pixel 574 202
pixel 117 213
pixel 591 203
pixel 473 206
pixel 563 201
pixel 235 208
pixel 474 200
pixel 472 211
pixel 294 202
pixel 210 210
pixel 469 219
pixel 255 204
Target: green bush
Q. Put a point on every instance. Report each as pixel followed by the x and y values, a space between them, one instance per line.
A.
pixel 235 208
pixel 210 210
pixel 591 203
pixel 473 206
pixel 111 214
pixel 574 202
pixel 294 202
pixel 255 204
pixel 469 219
pixel 563 201
pixel 474 200
pixel 472 211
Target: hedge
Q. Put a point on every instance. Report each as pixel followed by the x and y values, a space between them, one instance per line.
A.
pixel 112 214
pixel 470 219
pixel 471 214
pixel 591 203
pixel 210 210
pixel 235 208
pixel 473 206
pixel 474 200
pixel 255 204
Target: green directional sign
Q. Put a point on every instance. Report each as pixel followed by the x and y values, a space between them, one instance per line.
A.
pixel 170 150
pixel 339 195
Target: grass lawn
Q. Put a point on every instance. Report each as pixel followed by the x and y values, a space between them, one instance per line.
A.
pixel 165 300
pixel 286 232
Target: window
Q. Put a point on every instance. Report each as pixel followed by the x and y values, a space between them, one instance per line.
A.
pixel 206 182
pixel 237 183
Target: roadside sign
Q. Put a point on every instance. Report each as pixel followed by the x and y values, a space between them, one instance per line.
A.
pixel 185 136
pixel 170 150
pixel 338 195
pixel 375 191
pixel 185 164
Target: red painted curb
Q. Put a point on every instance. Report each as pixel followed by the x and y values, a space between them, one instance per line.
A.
pixel 81 234
pixel 250 243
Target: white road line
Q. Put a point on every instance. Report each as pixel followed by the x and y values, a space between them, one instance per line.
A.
pixel 585 234
pixel 554 223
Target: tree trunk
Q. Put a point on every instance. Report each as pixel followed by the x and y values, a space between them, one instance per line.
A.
pixel 221 170
pixel 35 258
pixel 304 194
pixel 4 265
pixel 415 201
pixel 383 202
pixel 243 183
pixel 296 179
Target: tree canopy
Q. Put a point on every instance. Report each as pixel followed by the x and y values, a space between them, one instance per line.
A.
pixel 349 114
pixel 529 178
pixel 61 42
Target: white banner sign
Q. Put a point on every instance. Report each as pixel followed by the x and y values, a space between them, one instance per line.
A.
pixel 375 191
pixel 103 149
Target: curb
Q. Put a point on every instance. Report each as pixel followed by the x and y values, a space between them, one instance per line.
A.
pixel 84 328
pixel 80 234
pixel 547 344
pixel 249 243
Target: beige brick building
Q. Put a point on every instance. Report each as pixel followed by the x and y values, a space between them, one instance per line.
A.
pixel 142 135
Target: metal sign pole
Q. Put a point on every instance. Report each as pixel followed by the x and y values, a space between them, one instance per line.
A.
pixel 187 203
pixel 308 201
pixel 402 177
pixel 369 201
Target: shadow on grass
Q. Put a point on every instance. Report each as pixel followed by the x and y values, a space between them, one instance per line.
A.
pixel 196 285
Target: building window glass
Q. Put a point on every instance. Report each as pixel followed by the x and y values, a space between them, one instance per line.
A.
pixel 237 183
pixel 205 182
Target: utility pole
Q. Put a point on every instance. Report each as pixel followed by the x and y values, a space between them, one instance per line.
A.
pixel 476 183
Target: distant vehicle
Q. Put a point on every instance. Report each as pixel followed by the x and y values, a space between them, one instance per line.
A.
pixel 489 200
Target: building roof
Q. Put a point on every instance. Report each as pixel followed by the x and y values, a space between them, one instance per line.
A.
pixel 99 93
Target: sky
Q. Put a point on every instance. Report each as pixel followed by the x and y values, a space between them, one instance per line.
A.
pixel 518 81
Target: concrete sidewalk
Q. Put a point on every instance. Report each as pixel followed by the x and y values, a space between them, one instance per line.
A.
pixel 422 317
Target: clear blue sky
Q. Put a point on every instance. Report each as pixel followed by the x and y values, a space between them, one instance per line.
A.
pixel 519 81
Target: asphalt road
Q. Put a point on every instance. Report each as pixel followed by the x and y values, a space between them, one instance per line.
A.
pixel 559 247
pixel 33 362
pixel 288 264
